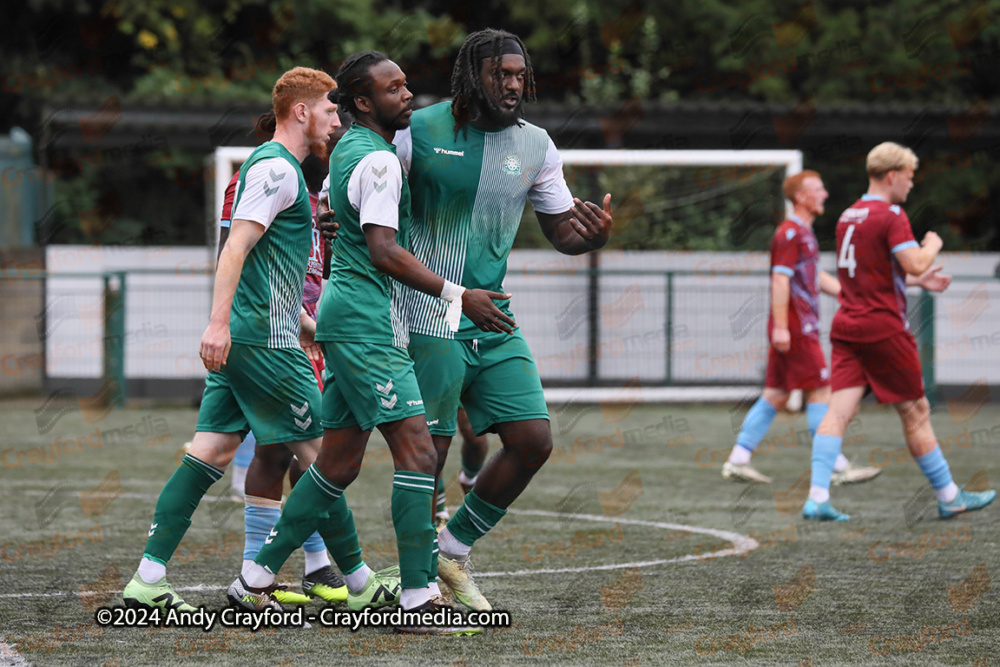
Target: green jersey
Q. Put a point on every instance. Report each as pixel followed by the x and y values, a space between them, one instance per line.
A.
pixel 366 187
pixel 272 192
pixel 469 193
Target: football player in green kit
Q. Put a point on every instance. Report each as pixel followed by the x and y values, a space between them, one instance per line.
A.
pixel 259 377
pixel 472 164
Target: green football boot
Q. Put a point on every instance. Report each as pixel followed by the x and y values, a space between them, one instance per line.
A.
pixel 382 589
pixel 161 595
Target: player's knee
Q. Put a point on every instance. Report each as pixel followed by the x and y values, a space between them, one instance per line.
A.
pixel 412 447
pixel 915 413
pixel 276 457
pixel 342 473
pixel 544 450
pixel 531 443
pixel 419 459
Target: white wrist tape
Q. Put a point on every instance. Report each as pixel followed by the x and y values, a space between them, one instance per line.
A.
pixel 452 293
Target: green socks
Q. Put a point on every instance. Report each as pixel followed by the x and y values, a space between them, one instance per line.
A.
pixel 315 502
pixel 474 518
pixel 412 497
pixel 177 502
pixel 439 506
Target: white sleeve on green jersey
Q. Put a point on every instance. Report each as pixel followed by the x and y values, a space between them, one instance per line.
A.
pixel 404 147
pixel 325 190
pixel 549 193
pixel 374 189
pixel 269 187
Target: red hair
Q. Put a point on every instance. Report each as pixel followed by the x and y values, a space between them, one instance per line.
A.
pixel 793 184
pixel 300 84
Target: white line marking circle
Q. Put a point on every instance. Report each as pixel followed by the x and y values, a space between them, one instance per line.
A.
pixel 741 545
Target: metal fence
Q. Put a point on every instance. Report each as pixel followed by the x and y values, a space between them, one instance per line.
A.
pixel 587 327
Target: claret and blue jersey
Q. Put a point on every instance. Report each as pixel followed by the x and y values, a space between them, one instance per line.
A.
pixel 872 282
pixel 795 253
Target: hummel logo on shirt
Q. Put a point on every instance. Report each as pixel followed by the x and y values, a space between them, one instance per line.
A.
pixel 270 537
pixel 380 173
pixel 411 403
pixel 391 403
pixel 379 187
pixel 269 191
pixel 445 151
pixel 386 389
pixel 301 410
pixel 152 529
pixel 303 424
pixel 276 177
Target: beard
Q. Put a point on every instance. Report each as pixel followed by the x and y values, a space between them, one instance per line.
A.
pixel 501 115
pixel 392 123
pixel 317 140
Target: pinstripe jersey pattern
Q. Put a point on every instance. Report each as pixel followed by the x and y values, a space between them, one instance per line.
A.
pixel 268 299
pixel 468 195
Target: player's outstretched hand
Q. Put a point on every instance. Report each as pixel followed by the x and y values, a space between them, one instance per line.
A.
pixel 591 222
pixel 934 281
pixel 478 306
pixel 781 339
pixel 215 344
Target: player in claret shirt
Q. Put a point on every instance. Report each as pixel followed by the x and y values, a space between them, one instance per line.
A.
pixel 796 359
pixel 873 349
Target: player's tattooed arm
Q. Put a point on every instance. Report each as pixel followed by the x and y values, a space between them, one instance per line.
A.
pixel 215 342
pixel 397 262
pixel 584 227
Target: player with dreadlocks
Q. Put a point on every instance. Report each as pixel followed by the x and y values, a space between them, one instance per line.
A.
pixel 474 89
pixel 472 164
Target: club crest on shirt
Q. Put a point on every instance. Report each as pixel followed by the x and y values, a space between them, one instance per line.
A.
pixel 512 164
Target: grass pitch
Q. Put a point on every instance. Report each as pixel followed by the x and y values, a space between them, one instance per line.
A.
pixel 615 555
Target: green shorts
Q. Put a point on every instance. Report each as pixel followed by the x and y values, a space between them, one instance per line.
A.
pixel 368 384
pixel 272 392
pixel 494 378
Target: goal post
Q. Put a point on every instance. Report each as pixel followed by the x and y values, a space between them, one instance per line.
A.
pixel 223 163
pixel 791 159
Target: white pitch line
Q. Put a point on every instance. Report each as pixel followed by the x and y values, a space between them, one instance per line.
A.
pixel 130 496
pixel 741 545
pixel 9 657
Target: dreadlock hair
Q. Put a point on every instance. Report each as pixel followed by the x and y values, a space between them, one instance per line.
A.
pixel 354 78
pixel 469 97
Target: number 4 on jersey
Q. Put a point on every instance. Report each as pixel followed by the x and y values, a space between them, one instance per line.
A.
pixel 846 259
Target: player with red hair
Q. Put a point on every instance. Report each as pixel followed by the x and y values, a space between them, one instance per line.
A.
pixel 796 359
pixel 259 376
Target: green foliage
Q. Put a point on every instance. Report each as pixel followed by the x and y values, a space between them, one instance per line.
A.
pixel 584 52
